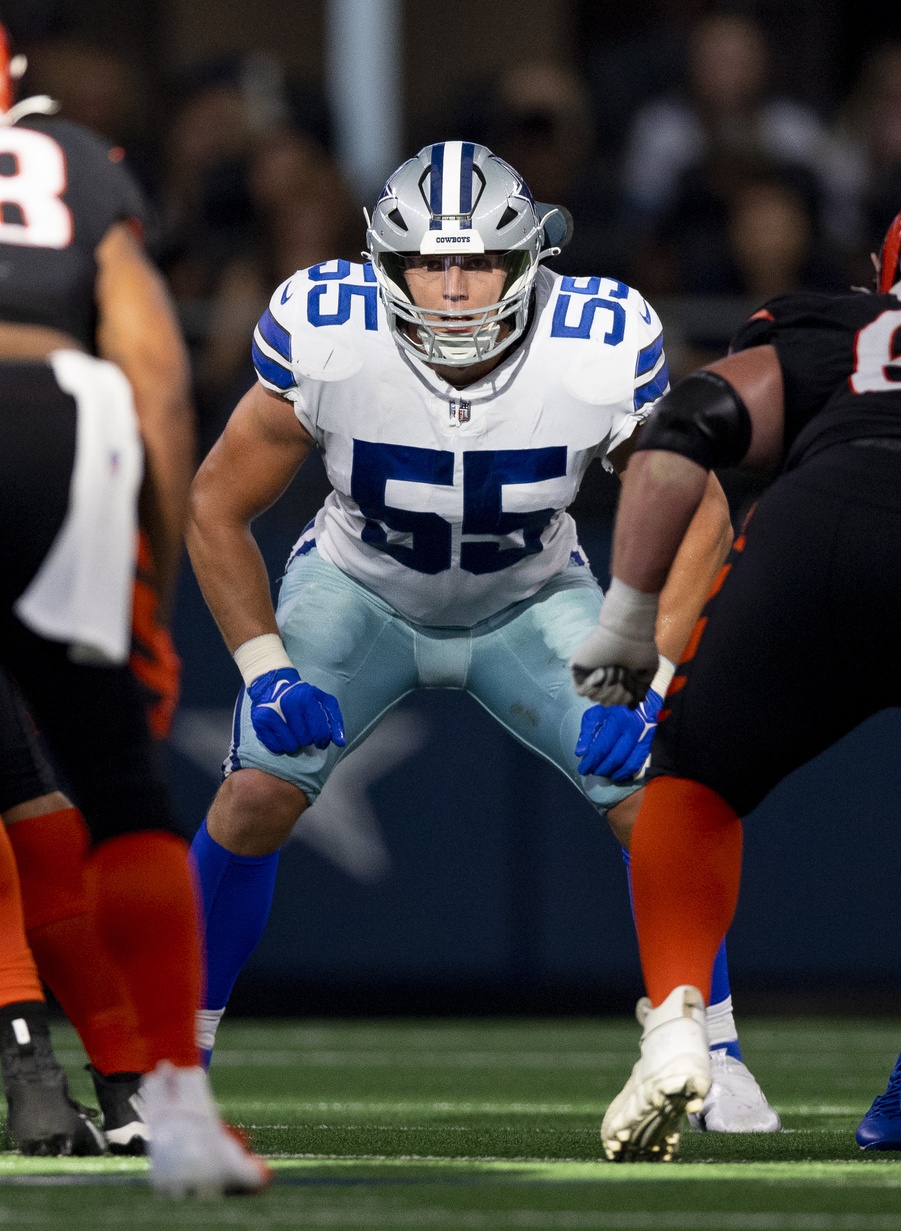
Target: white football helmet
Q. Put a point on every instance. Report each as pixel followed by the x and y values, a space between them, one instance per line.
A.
pixel 454 199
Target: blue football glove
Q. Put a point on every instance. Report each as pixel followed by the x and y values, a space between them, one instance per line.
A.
pixel 288 714
pixel 615 742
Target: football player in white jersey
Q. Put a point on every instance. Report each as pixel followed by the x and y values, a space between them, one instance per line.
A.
pixel 458 391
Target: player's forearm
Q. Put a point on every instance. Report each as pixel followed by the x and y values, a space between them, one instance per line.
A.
pixel 698 560
pixel 672 534
pixel 233 579
pixel 138 330
pixel 169 443
pixel 250 466
pixel 159 375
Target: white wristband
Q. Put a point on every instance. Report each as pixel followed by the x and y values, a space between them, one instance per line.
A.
pixel 664 677
pixel 261 654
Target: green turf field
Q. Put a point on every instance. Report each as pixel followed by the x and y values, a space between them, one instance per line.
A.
pixel 422 1126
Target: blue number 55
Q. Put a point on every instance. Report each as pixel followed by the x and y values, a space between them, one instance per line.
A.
pixel 485 474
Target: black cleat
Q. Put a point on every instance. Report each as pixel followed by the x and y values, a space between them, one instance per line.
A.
pixel 43 1118
pixel 121 1108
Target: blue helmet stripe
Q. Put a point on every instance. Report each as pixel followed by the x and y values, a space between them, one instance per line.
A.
pixel 436 186
pixel 466 182
pixel 276 335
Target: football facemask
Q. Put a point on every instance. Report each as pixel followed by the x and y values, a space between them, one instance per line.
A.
pixel 458 309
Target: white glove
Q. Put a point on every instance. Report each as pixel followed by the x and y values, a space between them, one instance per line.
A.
pixel 616 664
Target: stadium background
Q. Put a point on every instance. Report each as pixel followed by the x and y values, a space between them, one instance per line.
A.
pixel 446 869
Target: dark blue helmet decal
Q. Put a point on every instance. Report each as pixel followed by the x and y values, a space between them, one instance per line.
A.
pixel 466 177
pixel 436 185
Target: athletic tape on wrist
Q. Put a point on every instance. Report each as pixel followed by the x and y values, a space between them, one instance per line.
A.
pixel 629 612
pixel 664 677
pixel 261 654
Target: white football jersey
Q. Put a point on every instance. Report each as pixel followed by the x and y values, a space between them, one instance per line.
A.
pixel 451 504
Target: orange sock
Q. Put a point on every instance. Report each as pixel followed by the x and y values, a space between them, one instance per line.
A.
pixel 18 974
pixel 73 961
pixel 686 868
pixel 142 891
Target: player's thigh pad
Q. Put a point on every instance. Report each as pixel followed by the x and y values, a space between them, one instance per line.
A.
pixel 520 674
pixel 343 639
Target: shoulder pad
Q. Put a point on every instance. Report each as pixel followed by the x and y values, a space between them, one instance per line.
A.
pixel 626 354
pixel 316 353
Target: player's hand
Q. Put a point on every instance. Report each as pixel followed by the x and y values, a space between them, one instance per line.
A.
pixel 612 669
pixel 615 742
pixel 153 659
pixel 288 714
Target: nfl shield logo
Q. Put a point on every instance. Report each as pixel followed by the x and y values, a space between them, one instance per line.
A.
pixel 460 411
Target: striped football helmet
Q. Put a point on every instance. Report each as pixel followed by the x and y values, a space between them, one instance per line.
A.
pixel 457 198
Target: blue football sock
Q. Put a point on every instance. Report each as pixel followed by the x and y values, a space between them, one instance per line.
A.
pixel 719 983
pixel 236 891
pixel 719 1011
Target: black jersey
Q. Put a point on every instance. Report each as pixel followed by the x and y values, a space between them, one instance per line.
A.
pixel 61 189
pixel 841 365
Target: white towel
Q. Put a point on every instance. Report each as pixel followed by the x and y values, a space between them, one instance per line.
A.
pixel 82 592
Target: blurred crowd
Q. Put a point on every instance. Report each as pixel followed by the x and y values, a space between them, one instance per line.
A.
pixel 708 181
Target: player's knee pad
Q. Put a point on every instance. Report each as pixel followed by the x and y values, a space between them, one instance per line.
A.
pixel 703 418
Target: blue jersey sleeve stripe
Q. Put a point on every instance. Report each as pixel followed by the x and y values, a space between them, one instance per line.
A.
pixel 270 371
pixel 276 335
pixel 267 351
pixel 648 356
pixel 653 389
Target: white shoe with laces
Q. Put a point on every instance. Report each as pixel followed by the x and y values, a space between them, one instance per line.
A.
pixel 735 1102
pixel 192 1153
pixel 672 1076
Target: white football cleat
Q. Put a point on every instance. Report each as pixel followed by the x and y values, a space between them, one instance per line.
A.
pixel 671 1076
pixel 735 1102
pixel 192 1153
